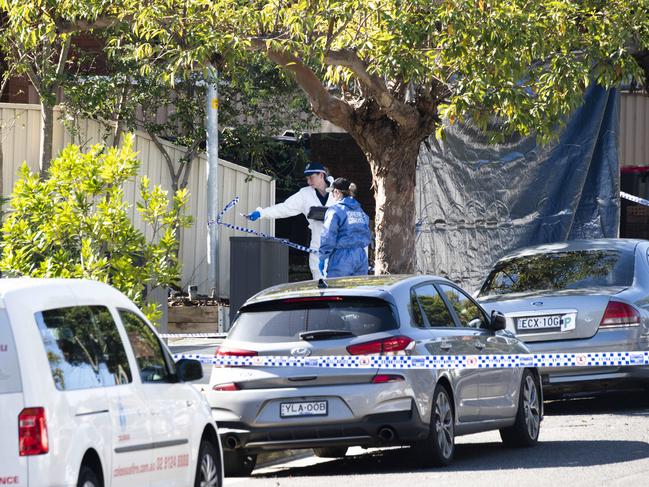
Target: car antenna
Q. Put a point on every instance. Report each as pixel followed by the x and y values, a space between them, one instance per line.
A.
pixel 322 284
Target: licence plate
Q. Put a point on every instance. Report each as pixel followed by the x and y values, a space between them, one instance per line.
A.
pixel 305 408
pixel 535 324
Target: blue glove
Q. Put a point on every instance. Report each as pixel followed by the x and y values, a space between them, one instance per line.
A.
pixel 321 266
pixel 254 216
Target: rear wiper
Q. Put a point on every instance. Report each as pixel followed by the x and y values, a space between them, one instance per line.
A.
pixel 324 334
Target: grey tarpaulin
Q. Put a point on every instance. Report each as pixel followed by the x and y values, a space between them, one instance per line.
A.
pixel 476 202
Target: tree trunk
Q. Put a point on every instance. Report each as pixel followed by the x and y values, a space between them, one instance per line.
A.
pixel 47 135
pixel 393 173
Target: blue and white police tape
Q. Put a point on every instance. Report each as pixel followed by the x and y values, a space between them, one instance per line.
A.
pixel 598 359
pixel 284 241
pixel 192 335
pixel 635 199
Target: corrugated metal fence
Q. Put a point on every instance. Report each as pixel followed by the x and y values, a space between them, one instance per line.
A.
pixel 20 142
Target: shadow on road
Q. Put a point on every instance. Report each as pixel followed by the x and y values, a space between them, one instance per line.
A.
pixel 480 456
pixel 630 403
pixel 494 456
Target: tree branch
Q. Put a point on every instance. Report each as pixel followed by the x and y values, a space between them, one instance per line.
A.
pixel 68 27
pixel 405 115
pixel 324 104
pixel 167 158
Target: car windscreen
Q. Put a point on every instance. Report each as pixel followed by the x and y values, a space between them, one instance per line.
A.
pixel 9 372
pixel 577 269
pixel 282 321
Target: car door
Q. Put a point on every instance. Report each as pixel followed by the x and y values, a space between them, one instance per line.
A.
pixel 495 384
pixel 170 405
pixel 446 338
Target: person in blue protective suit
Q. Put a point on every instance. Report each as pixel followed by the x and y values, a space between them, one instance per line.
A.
pixel 311 201
pixel 346 234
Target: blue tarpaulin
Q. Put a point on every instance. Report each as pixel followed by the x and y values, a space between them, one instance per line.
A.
pixel 477 201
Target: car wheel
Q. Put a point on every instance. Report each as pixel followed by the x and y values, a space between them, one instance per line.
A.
pixel 526 429
pixel 439 447
pixel 87 478
pixel 208 469
pixel 238 464
pixel 330 452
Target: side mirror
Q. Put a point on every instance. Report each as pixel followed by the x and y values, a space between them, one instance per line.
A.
pixel 188 370
pixel 498 321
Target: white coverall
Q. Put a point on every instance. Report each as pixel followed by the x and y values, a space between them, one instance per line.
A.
pixel 298 203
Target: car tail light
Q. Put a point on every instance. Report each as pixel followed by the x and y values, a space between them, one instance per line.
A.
pixel 234 352
pixel 386 345
pixel 32 432
pixel 619 314
pixel 229 387
pixel 383 378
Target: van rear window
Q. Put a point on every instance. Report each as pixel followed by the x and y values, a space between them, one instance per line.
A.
pixel 281 321
pixel 9 371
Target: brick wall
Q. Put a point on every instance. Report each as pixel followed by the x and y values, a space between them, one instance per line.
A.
pixel 340 153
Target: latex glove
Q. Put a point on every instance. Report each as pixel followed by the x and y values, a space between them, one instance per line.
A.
pixel 321 266
pixel 254 216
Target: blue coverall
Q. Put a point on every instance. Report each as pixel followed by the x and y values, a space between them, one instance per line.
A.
pixel 344 238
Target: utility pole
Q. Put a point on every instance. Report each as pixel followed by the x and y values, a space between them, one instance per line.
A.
pixel 212 115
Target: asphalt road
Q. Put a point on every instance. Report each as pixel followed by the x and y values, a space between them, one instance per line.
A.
pixel 590 441
pixel 584 442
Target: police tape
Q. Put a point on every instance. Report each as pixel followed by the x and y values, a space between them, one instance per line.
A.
pixel 284 241
pixel 635 199
pixel 192 335
pixel 596 359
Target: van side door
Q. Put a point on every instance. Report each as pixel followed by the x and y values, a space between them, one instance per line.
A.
pixel 172 406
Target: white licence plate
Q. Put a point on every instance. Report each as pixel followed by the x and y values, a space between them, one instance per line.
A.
pixel 539 323
pixel 305 408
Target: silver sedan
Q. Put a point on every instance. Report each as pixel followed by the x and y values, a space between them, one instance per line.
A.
pixel 266 408
pixel 576 297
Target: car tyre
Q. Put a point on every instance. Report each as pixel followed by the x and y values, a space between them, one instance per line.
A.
pixel 238 464
pixel 438 449
pixel 330 452
pixel 525 431
pixel 208 468
pixel 87 477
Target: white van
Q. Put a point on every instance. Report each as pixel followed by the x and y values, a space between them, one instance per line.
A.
pixel 90 396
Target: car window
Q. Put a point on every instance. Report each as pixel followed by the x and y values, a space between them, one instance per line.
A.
pixel 9 371
pixel 415 310
pixel 469 313
pixel 555 271
pixel 83 347
pixel 433 307
pixel 149 353
pixel 280 321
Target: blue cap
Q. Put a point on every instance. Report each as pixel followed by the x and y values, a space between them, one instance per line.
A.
pixel 313 168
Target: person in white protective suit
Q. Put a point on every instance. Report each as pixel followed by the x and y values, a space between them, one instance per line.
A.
pixel 311 201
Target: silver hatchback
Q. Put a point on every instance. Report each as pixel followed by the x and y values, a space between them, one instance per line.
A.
pixel 266 408
pixel 582 296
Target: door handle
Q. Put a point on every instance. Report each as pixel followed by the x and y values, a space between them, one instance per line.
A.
pixel 446 346
pixel 478 344
pixel 189 403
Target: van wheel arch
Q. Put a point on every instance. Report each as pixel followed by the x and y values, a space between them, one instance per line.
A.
pixel 91 461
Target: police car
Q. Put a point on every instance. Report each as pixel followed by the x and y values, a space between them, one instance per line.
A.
pixel 90 396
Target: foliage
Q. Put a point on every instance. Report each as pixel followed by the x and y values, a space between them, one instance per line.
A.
pixel 75 224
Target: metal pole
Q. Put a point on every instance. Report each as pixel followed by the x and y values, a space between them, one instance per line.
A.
pixel 212 128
